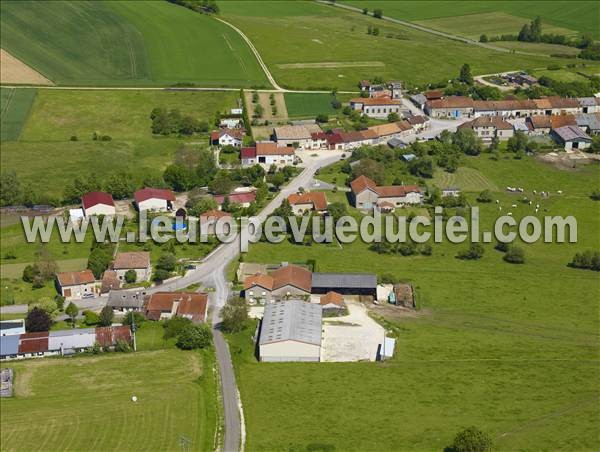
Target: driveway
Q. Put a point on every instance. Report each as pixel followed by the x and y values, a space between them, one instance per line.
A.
pixel 353 337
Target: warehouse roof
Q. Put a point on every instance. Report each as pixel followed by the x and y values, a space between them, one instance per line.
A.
pixel 291 320
pixel 9 345
pixel 344 280
pixel 571 133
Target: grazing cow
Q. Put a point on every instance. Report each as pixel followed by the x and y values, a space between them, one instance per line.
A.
pixel 510 214
pixel 514 206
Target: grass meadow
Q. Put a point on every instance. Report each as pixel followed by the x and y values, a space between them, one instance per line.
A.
pixel 84 403
pixel 15 107
pixel 126 43
pixel 327 47
pixel 301 105
pixel 578 16
pixel 512 349
pixel 56 116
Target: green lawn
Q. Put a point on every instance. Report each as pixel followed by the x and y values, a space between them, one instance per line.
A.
pixel 84 403
pixel 581 16
pixel 15 107
pixel 126 43
pixel 300 105
pixel 327 47
pixel 512 349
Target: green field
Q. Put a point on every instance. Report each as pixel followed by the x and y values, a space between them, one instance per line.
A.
pixel 124 115
pixel 84 403
pixel 310 105
pixel 580 16
pixel 126 43
pixel 15 107
pixel 327 47
pixel 512 349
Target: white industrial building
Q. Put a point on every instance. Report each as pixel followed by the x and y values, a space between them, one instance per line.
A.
pixel 291 331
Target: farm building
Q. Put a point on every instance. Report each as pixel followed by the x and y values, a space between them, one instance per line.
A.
pixel 589 104
pixel 76 285
pixel 267 153
pixel 302 203
pixel 590 122
pixel 98 203
pixel 62 342
pixel 344 283
pixel 487 128
pixel 572 137
pixel 164 305
pixel 295 136
pixel 291 331
pixel 138 261
pixel 332 302
pixel 242 198
pixel 286 281
pixel 11 327
pixel 366 194
pixel 154 199
pixel 450 107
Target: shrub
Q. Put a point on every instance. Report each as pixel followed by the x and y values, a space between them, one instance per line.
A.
pixel 471 440
pixel 130 276
pixel 595 195
pixel 122 346
pixel 322 118
pixel 515 255
pixel 174 326
pixel 502 246
pixel 474 252
pixel 132 316
pixel 29 273
pixel 234 315
pixel 485 196
pixel 91 318
pixel 106 316
pixel 194 336
pixel 589 260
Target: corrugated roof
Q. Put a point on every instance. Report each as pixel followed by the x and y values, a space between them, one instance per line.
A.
pixel 150 193
pixel 9 345
pixel 109 335
pixel 97 197
pixel 75 338
pixel 571 133
pixel 344 280
pixel 291 320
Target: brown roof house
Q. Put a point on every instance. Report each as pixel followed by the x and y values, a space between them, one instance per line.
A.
pixel 302 203
pixel 164 305
pixel 366 194
pixel 488 127
pixel 332 301
pixel 76 285
pixel 138 261
pixel 376 107
pixel 289 281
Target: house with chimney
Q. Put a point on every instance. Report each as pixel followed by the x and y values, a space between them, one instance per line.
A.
pixel 306 202
pixel 165 305
pixel 366 195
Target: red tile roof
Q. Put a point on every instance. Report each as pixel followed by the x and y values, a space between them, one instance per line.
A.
pixel 271 148
pixel 370 101
pixel 248 153
pixel 332 298
pixel 258 279
pixel 96 197
pixel 487 121
pixel 293 275
pixel 396 191
pixel 239 198
pixel 451 102
pixel 150 193
pixel 316 198
pixel 434 94
pixel 190 304
pixel 216 214
pixel 131 260
pixel 361 183
pixel 75 278
pixel 107 336
pixel 236 133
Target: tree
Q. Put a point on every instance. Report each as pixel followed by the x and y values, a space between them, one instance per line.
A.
pixel 370 168
pixel 474 252
pixel 393 117
pixel 179 178
pixel 375 31
pixel 365 10
pixel 130 276
pixel 518 142
pixel 221 184
pixel 525 33
pixel 467 141
pixel 485 196
pixel 167 262
pixel 421 167
pixel 234 315
pixel 90 318
pixel 377 13
pixel 465 75
pixel 194 336
pixel 72 311
pixel 106 316
pixel 46 265
pixel 258 111
pixel 206 167
pixel 10 190
pixel 322 118
pixel 471 440
pixel 132 317
pixel 99 259
pixel 203 205
pixel 278 179
pixel 121 185
pixel 483 38
pixel 29 273
pixel 515 255
pixel 37 320
pixel 174 326
pixel 337 210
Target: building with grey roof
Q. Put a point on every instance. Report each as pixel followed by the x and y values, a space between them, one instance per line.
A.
pixel 345 283
pixel 590 122
pixel 572 137
pixel 71 340
pixel 291 331
pixel 126 300
pixel 9 345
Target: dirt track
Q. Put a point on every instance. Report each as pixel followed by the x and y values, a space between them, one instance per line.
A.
pixel 13 70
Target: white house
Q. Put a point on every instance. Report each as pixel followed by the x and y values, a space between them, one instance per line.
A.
pixel 267 153
pixel 138 261
pixel 376 107
pixel 291 331
pixel 154 199
pixel 227 137
pixel 98 203
pixel 76 285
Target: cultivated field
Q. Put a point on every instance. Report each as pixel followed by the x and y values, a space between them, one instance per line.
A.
pixel 84 403
pixel 15 71
pixel 126 43
pixel 579 16
pixel 15 107
pixel 327 47
pixel 512 349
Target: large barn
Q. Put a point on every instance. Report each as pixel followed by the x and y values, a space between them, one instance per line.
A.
pixel 345 283
pixel 291 331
